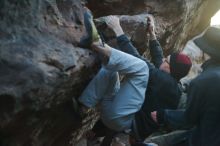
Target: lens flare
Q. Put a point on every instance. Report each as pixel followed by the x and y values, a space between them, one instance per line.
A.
pixel 215 20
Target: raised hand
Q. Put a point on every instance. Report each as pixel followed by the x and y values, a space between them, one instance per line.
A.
pixel 151 27
pixel 113 23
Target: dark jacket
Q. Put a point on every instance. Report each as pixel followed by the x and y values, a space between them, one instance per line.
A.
pixel 162 90
pixel 203 110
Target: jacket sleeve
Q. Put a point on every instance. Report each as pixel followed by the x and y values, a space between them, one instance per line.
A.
pixel 188 117
pixel 171 118
pixel 126 46
pixel 156 53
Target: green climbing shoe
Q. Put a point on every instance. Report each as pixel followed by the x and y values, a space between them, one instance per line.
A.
pixel 92 33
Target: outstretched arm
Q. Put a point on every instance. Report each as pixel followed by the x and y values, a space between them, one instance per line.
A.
pixel 172 118
pixel 156 51
pixel 123 42
pixel 183 118
pixel 126 46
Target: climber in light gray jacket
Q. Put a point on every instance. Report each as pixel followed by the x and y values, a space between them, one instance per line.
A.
pixel 118 103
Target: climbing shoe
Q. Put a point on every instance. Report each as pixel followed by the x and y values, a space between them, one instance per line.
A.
pixel 92 33
pixel 80 110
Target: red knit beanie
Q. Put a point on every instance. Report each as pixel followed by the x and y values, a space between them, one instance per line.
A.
pixel 180 65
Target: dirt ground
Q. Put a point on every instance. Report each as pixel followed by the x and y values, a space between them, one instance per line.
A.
pixel 120 140
pixel 159 139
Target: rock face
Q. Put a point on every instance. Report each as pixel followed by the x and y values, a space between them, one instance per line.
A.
pixel 42 69
pixel 176 21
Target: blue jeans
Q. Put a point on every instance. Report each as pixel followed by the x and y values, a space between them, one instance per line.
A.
pixel 119 102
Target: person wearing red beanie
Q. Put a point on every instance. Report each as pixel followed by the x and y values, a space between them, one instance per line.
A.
pixel 180 65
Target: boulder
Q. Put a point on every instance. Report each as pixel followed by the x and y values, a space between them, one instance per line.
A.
pixel 42 69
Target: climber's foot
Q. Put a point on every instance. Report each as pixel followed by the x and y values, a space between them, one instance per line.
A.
pixel 92 33
pixel 80 110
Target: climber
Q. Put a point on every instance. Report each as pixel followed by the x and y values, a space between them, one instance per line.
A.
pixel 203 109
pixel 162 90
pixel 118 103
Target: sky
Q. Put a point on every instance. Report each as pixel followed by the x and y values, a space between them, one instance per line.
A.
pixel 216 19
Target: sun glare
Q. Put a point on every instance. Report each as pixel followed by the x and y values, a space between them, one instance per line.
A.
pixel 215 20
